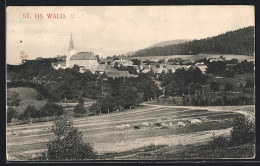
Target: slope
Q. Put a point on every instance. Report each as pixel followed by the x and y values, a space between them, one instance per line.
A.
pixel 239 42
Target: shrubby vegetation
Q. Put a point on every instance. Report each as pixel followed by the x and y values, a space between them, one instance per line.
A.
pixel 51 109
pixel 56 85
pixel 13 99
pixel 29 112
pixel 48 110
pixel 214 86
pixel 190 86
pixel 183 82
pixel 52 84
pixel 11 113
pixel 242 133
pixel 122 93
pixel 79 109
pixel 220 68
pixel 68 143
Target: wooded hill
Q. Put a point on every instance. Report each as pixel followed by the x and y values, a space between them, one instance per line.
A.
pixel 240 42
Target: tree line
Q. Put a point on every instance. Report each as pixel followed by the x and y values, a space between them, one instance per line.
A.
pixel 47 110
pixel 120 93
pixel 194 88
pixel 70 84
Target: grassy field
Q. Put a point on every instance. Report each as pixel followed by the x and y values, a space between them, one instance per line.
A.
pixel 183 152
pixel 103 133
pixel 27 96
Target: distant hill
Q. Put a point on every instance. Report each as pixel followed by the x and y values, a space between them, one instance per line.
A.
pixel 161 44
pixel 169 42
pixel 239 42
pixel 129 53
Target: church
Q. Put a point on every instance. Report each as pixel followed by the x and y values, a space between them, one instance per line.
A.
pixel 85 60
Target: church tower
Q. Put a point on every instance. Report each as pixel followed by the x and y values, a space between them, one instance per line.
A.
pixel 71 51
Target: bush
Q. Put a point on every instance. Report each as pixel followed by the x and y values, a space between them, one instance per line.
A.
pixel 68 143
pixel 229 87
pixel 51 109
pixel 39 96
pixel 11 113
pixel 219 142
pixel 30 111
pixel 79 110
pixel 95 108
pixel 229 73
pixel 13 99
pixel 243 131
pixel 214 86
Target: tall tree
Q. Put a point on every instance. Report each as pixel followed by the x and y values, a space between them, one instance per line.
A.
pixel 11 113
pixel 79 109
pixel 13 99
pixel 68 142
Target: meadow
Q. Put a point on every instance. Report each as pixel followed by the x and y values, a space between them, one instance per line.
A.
pixel 122 135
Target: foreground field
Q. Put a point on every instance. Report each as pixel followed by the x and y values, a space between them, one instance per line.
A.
pixel 120 132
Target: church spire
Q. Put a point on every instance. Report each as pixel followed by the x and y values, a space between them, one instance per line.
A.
pixel 71 47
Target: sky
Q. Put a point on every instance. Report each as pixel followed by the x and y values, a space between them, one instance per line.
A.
pixel 113 30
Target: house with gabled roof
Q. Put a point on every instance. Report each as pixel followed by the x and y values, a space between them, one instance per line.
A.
pixel 118 74
pixel 101 68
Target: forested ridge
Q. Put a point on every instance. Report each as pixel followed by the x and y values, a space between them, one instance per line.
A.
pixel 240 42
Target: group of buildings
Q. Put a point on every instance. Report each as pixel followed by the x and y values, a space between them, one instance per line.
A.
pixel 89 61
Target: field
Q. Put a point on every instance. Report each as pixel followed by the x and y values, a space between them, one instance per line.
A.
pixel 196 57
pixel 27 96
pixel 150 128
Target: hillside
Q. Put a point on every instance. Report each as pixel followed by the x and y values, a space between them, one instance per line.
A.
pixel 169 42
pixel 27 96
pixel 239 42
pixel 161 44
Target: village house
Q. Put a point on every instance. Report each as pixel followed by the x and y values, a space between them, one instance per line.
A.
pixel 143 66
pixel 122 62
pixel 59 65
pixel 118 74
pixel 216 59
pixel 101 68
pixel 202 67
pixel 146 70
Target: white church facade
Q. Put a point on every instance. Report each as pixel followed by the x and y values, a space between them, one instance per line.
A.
pixel 85 60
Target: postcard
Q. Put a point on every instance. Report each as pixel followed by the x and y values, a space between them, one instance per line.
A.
pixel 130 82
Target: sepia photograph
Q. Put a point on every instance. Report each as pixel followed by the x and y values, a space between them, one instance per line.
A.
pixel 88 83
